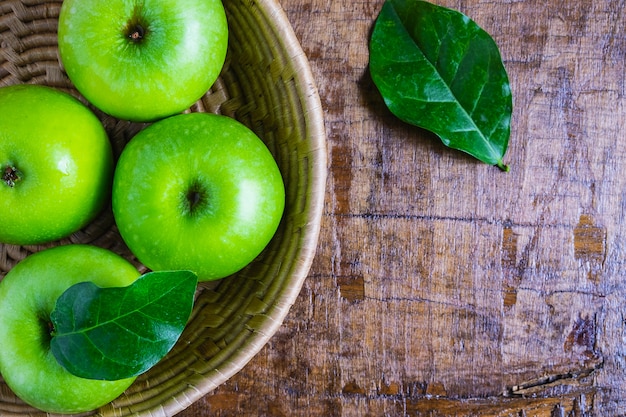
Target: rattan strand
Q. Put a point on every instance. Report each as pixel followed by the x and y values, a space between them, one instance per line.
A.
pixel 267 84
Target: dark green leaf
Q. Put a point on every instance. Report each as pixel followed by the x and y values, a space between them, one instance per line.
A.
pixel 117 333
pixel 437 69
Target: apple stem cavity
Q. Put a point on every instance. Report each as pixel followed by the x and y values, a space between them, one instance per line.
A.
pixel 11 176
pixel 136 29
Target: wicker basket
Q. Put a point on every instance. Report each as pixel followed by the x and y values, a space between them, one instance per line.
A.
pixel 266 84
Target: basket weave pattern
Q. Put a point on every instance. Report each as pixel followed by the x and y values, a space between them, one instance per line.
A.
pixel 266 84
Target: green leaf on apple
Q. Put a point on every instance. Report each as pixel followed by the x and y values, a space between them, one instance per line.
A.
pixel 120 332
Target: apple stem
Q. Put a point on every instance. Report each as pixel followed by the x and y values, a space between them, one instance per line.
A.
pixel 193 197
pixel 136 33
pixel 11 175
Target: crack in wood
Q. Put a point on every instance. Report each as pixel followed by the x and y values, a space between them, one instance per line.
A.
pixel 548 381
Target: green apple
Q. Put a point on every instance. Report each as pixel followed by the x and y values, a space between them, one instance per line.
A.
pixel 199 192
pixel 56 164
pixel 142 60
pixel 28 294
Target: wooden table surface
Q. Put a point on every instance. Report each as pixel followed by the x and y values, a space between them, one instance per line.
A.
pixel 443 286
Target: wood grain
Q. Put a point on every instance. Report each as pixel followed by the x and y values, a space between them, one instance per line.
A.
pixel 442 286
